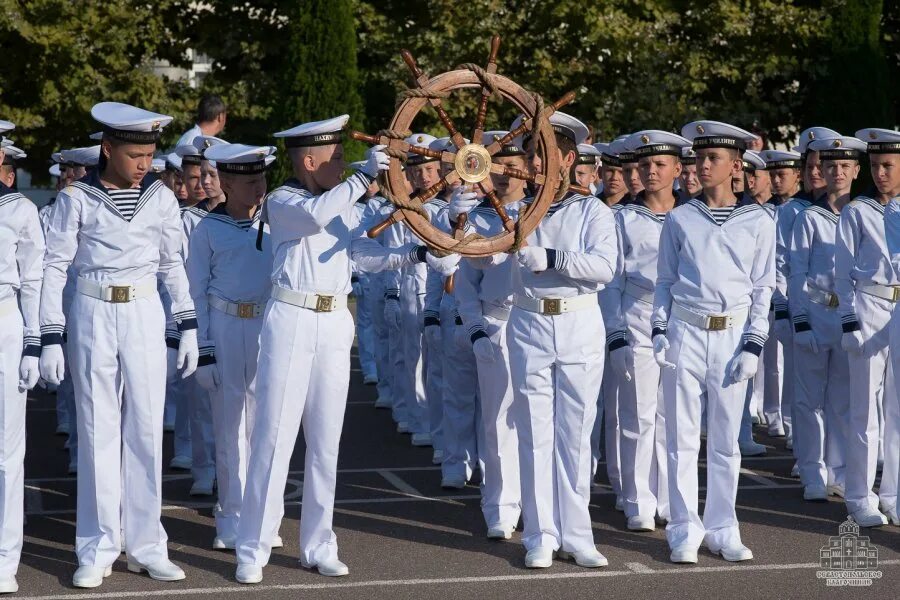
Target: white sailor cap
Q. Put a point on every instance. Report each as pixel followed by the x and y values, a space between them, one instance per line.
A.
pixel 202 142
pixel 58 158
pixel 96 136
pixel 241 159
pixel 812 134
pixel 5 142
pixel 511 148
pixel 654 142
pixel 12 155
pixel 315 133
pixel 129 123
pixel 781 159
pixel 839 148
pixel 422 140
pixel 54 170
pixel 173 162
pixel 190 154
pixel 158 165
pixel 753 161
pixel 880 141
pixel 688 156
pixel 564 124
pixel 607 158
pixel 715 134
pixel 6 126
pixel 587 155
pixel 89 156
pixel 443 144
pixel 617 148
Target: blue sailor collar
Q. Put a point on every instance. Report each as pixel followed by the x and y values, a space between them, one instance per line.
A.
pixel 220 214
pixel 744 205
pixel 91 185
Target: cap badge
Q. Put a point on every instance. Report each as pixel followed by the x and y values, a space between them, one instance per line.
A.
pixel 836 143
pixel 154 126
pixel 700 129
pixel 645 139
pixel 812 135
pixel 873 135
pixel 207 143
pixel 420 139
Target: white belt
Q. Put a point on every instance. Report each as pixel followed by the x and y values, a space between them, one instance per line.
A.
pixel 316 302
pixel 243 310
pixel 495 312
pixel 711 322
pixel 890 293
pixel 116 293
pixel 822 297
pixel 556 306
pixel 9 306
pixel 636 291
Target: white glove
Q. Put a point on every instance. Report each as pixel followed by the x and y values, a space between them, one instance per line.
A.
pixel 484 350
pixel 622 362
pixel 208 377
pixel 853 342
pixel 446 266
pixel 378 161
pixel 806 339
pixel 188 353
pixel 743 366
pixel 533 258
pixel 433 336
pixel 660 346
pixel 29 372
pixel 462 200
pixel 52 364
pixel 783 330
pixel 392 313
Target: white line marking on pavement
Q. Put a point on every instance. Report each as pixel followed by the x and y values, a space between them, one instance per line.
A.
pixel 34 502
pixel 397 481
pixel 588 574
pixel 637 567
pixel 757 478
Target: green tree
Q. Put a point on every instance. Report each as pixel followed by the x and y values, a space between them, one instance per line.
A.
pixel 60 57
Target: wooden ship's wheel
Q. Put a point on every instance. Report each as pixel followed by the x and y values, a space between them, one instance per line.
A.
pixel 472 162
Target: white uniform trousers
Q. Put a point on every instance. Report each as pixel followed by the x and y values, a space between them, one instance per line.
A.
pixel 821 402
pixel 12 449
pixel 303 378
pixel 397 360
pixel 501 492
pixel 113 347
pixel 642 422
pixel 66 391
pixel 890 473
pixel 364 330
pixel 380 340
pixel 203 439
pixel 612 432
pixel 233 409
pixel 556 364
pixel 413 377
pixel 460 404
pixel 181 438
pixel 700 380
pixel 775 409
pixel 871 381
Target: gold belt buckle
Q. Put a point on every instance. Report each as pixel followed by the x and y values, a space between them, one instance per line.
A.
pixel 895 296
pixel 119 293
pixel 832 300
pixel 552 306
pixel 718 323
pixel 246 310
pixel 324 303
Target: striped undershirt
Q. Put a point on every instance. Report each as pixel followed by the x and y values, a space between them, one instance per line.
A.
pixel 125 201
pixel 721 214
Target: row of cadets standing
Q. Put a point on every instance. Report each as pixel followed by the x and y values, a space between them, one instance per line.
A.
pixel 21 253
pixel 305 341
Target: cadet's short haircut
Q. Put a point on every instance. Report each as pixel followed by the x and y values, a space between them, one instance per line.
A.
pixel 566 144
pixel 209 108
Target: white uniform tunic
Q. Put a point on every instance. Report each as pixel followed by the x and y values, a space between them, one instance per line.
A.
pixel 304 363
pixel 111 343
pixel 892 405
pixel 21 255
pixel 861 259
pixel 225 265
pixel 484 300
pixel 709 268
pixel 821 393
pixel 556 365
pixel 627 306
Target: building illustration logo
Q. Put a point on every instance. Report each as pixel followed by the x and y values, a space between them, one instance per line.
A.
pixel 848 559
